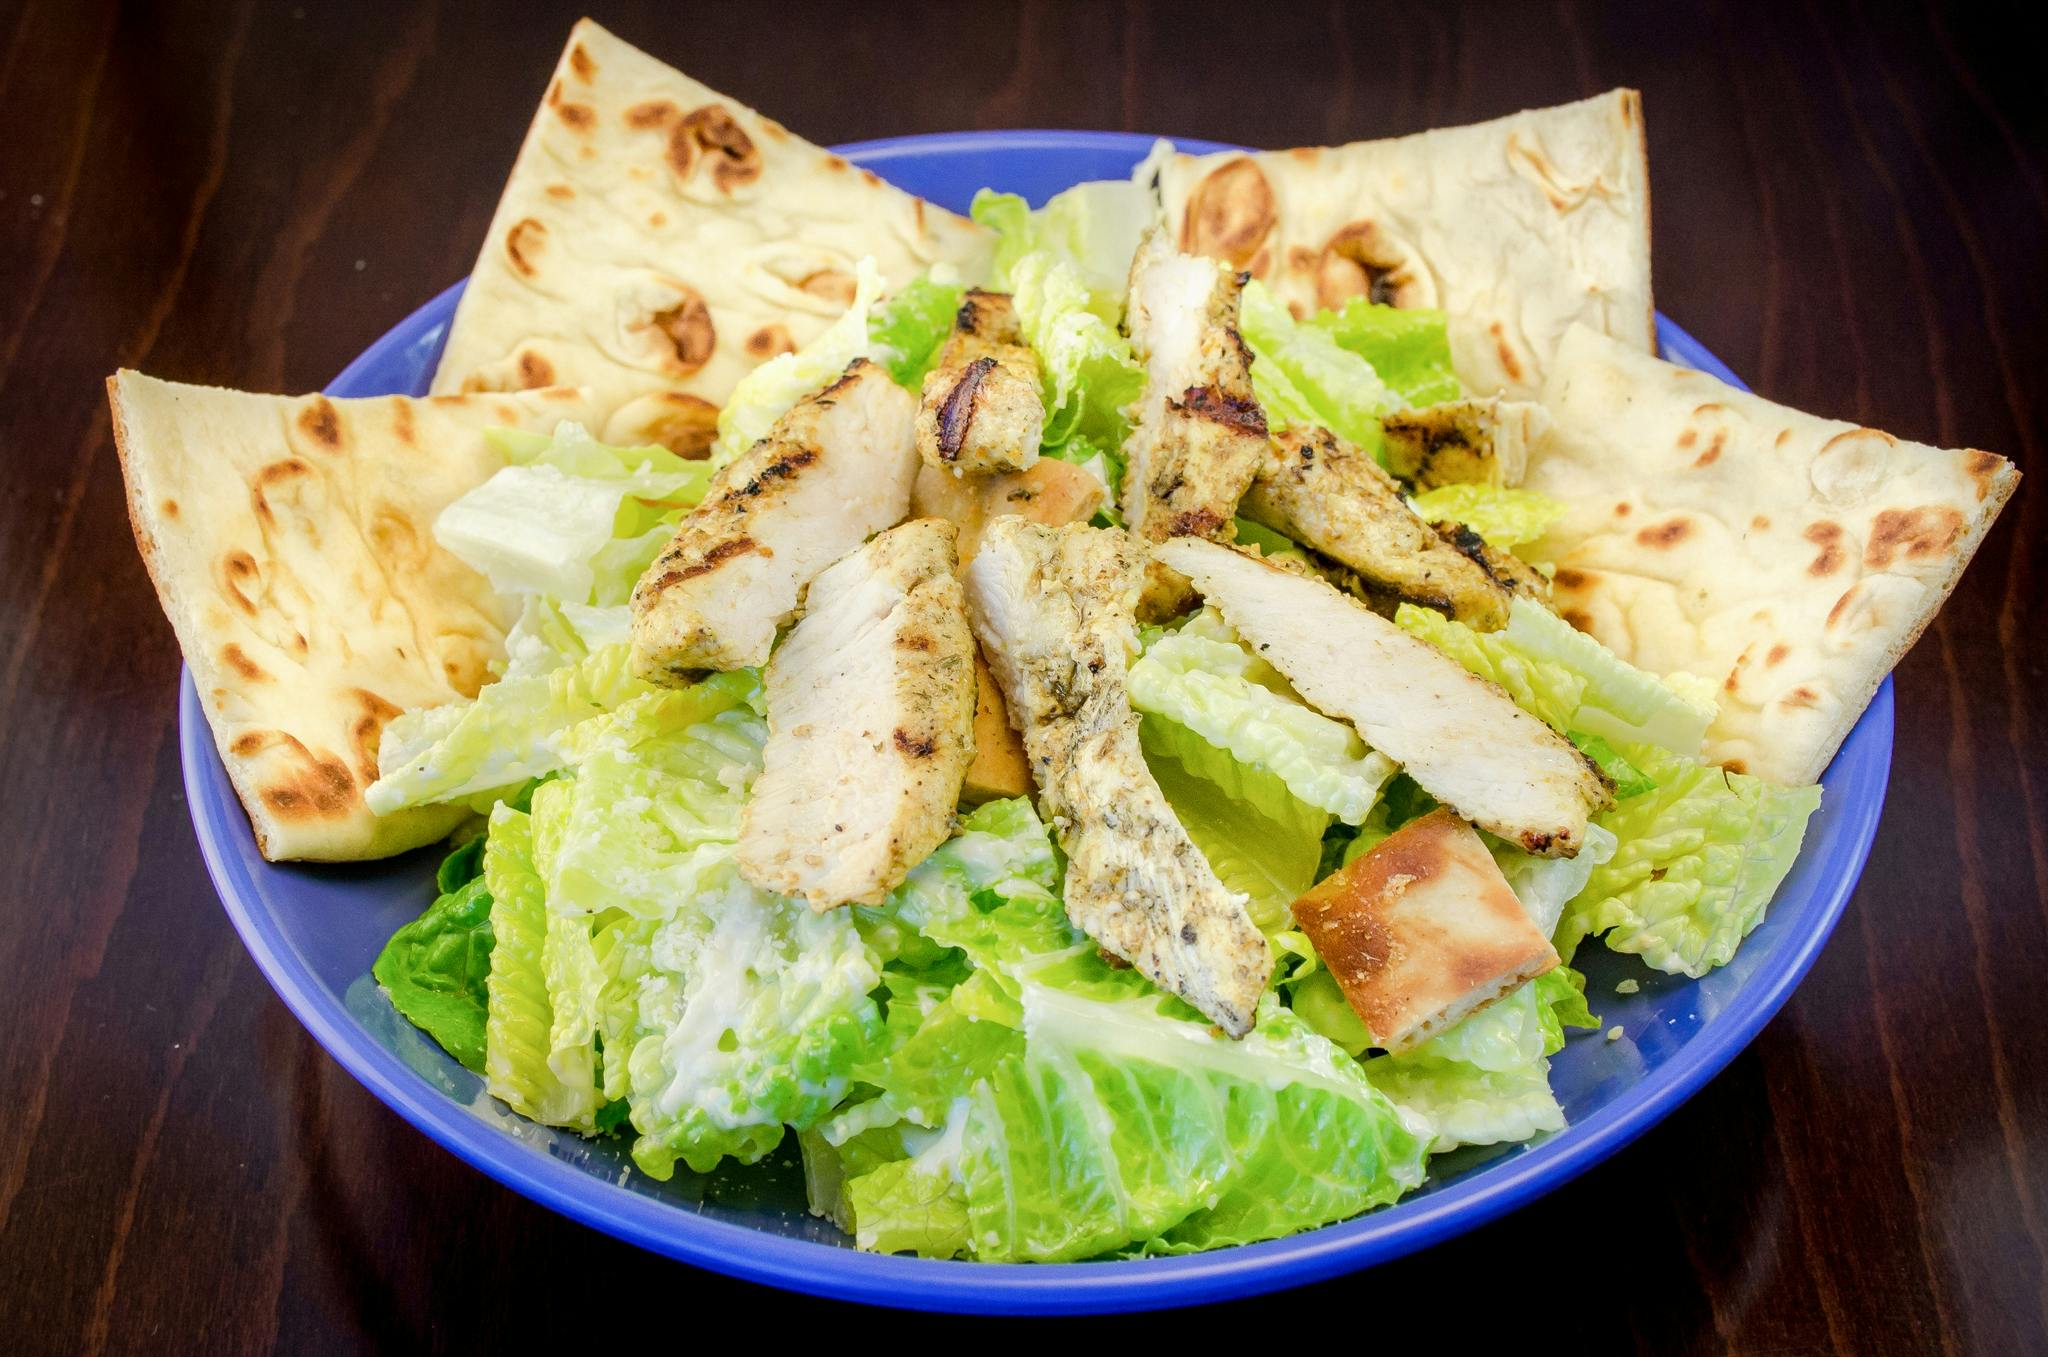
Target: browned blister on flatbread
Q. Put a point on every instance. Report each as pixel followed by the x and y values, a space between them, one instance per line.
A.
pixel 1790 560
pixel 1516 228
pixel 657 240
pixel 291 543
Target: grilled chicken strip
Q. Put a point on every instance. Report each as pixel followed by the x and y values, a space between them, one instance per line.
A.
pixel 1458 735
pixel 1052 492
pixel 834 469
pixel 1508 570
pixel 1197 434
pixel 981 410
pixel 1052 607
pixel 1322 491
pixel 1485 442
pixel 870 725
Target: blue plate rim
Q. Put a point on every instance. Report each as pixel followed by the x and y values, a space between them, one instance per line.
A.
pixel 997 1288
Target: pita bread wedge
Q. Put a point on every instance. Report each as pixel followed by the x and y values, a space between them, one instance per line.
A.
pixel 291 544
pixel 658 240
pixel 1788 559
pixel 1517 228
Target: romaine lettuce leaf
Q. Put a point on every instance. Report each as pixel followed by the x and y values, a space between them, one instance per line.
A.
pixel 522 1067
pixel 1504 516
pixel 913 1205
pixel 1303 376
pixel 1486 1081
pixel 523 727
pixel 655 806
pixel 1570 680
pixel 769 392
pixel 1409 349
pixel 1470 1105
pixel 1100 1114
pixel 1123 1125
pixel 750 1015
pixel 1094 227
pixel 908 328
pixel 1204 679
pixel 1621 702
pixel 1258 837
pixel 1699 858
pixel 1542 687
pixel 435 968
pixel 565 518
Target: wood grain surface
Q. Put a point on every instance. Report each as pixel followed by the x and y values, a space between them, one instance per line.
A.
pixel 1851 209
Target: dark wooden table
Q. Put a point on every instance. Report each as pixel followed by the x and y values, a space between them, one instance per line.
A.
pixel 1852 210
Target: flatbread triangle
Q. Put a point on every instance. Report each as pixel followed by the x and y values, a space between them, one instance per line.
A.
pixel 291 543
pixel 658 240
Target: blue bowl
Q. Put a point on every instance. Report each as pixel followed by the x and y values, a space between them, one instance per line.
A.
pixel 314 932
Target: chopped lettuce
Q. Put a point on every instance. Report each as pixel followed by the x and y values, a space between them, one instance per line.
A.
pixel 749 1012
pixel 916 1204
pixel 1539 686
pixel 1093 227
pixel 1098 1114
pixel 435 968
pixel 1621 702
pixel 1205 679
pixel 907 330
pixel 1302 375
pixel 1486 1081
pixel 1409 349
pixel 522 1068
pixel 1259 838
pixel 1124 1124
pixel 520 728
pixel 768 392
pixel 1628 779
pixel 1504 516
pixel 568 517
pixel 1699 857
pixel 1570 680
pixel 1344 370
pixel 654 806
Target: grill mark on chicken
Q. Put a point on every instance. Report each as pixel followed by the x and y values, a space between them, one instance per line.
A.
pixel 957 412
pixel 1197 430
pixel 981 410
pixel 1233 412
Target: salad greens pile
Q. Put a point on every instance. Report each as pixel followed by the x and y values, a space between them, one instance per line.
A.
pixel 966 1073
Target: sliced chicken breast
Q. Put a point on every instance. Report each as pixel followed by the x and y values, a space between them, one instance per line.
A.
pixel 1198 434
pixel 1052 607
pixel 1320 490
pixel 835 469
pixel 981 410
pixel 870 725
pixel 1050 492
pixel 1483 442
pixel 1458 735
